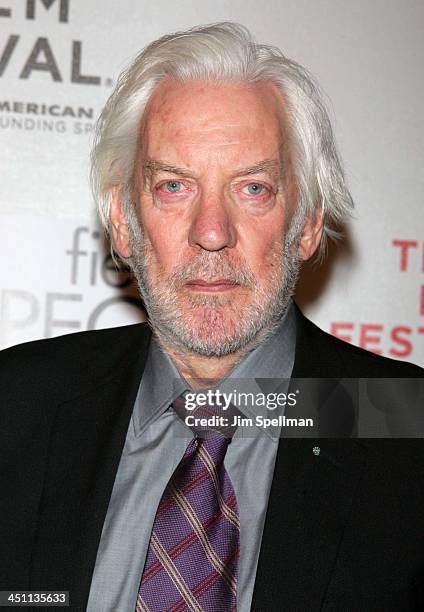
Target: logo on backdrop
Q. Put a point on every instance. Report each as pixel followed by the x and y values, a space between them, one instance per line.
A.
pixel 400 339
pixel 90 295
pixel 27 57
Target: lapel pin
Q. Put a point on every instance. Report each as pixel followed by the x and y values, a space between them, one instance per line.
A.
pixel 316 450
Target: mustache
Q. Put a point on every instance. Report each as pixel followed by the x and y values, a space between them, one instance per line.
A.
pixel 211 267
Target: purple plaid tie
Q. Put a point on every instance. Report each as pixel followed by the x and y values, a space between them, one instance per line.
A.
pixel 193 553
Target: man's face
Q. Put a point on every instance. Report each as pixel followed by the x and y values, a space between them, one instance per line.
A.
pixel 215 197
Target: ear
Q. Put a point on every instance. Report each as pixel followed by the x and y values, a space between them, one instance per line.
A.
pixel 118 223
pixel 311 235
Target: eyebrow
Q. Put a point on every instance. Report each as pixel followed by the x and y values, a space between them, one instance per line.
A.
pixel 262 166
pixel 156 165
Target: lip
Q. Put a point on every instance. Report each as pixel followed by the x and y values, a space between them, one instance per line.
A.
pixel 221 284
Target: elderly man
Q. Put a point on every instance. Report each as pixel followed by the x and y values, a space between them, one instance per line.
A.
pixel 216 175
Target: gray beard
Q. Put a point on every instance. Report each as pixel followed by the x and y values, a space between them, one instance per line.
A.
pixel 251 326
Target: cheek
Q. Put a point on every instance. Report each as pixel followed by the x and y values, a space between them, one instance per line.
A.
pixel 264 246
pixel 164 240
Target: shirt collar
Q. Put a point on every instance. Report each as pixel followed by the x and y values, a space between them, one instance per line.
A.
pixel 261 370
pixel 160 384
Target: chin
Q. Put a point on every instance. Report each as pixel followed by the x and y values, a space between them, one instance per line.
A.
pixel 212 332
pixel 208 323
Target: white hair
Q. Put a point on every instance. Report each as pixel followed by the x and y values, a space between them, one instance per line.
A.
pixel 223 52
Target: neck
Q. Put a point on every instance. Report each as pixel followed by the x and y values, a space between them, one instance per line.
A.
pixel 202 372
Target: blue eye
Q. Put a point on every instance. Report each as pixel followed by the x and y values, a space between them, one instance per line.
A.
pixel 254 188
pixel 173 186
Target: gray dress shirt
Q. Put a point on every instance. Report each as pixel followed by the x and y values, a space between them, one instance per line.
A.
pixel 156 441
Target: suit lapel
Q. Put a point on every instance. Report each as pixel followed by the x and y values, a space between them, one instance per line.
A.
pixel 83 457
pixel 312 491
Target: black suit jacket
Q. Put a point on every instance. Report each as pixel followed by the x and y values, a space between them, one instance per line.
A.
pixel 344 530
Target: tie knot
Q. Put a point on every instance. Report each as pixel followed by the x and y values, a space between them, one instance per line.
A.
pixel 207 419
pixel 212 447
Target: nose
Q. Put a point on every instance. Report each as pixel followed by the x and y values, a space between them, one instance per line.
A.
pixel 212 227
